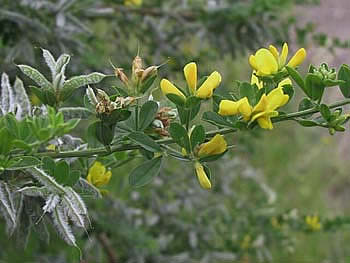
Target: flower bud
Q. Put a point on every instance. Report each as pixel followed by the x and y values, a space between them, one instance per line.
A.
pixel 202 176
pixel 137 66
pixel 121 75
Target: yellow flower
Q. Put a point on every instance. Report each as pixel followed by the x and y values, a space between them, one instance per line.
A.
pixel 205 91
pixel 266 107
pixel 202 177
pixel 133 2
pixel 98 176
pixel 313 222
pixel 229 107
pixel 263 111
pixel 216 145
pixel 269 61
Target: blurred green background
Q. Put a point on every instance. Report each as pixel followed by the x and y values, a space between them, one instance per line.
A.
pixel 263 188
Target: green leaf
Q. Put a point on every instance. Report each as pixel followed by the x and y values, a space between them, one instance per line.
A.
pixel 216 119
pixel 20 163
pixel 144 173
pixel 177 100
pixel 147 114
pixel 20 144
pixel 39 93
pixel 315 86
pixel 192 102
pixel 61 172
pixel 104 133
pixel 145 141
pixel 180 136
pixel 73 178
pixel 79 81
pixel 249 91
pixel 121 92
pixel 197 136
pixel 325 112
pixel 36 76
pixel 115 116
pixel 148 83
pixel 6 139
pixel 49 165
pixel 147 154
pixel 11 124
pixel 344 74
pixel 298 79
pixel 307 123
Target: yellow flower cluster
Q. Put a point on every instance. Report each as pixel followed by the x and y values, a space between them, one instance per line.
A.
pixel 217 145
pixel 98 176
pixel 205 91
pixel 269 61
pixel 313 223
pixel 263 111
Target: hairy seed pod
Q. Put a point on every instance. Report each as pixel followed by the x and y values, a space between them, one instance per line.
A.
pixel 148 72
pixel 119 73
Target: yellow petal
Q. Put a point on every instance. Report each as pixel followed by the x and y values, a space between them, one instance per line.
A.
pixel 265 123
pixel 252 62
pixel 97 168
pixel 202 177
pixel 216 145
pixel 212 82
pixel 298 58
pixel 262 104
pixel 276 98
pixel 274 51
pixel 244 108
pixel 228 107
pixel 255 80
pixel 103 179
pixel 266 62
pixel 190 72
pixel 168 88
pixel 284 55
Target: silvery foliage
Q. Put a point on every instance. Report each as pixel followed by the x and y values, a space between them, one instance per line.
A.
pixel 14 99
pixel 26 206
pixel 65 206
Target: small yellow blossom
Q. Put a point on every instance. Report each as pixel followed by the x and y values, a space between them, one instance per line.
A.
pixel 202 177
pixel 263 111
pixel 133 2
pixel 216 145
pixel 98 176
pixel 205 91
pixel 268 61
pixel 313 223
pixel 266 107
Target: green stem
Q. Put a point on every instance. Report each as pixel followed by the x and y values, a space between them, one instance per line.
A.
pixel 137 116
pixel 119 148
